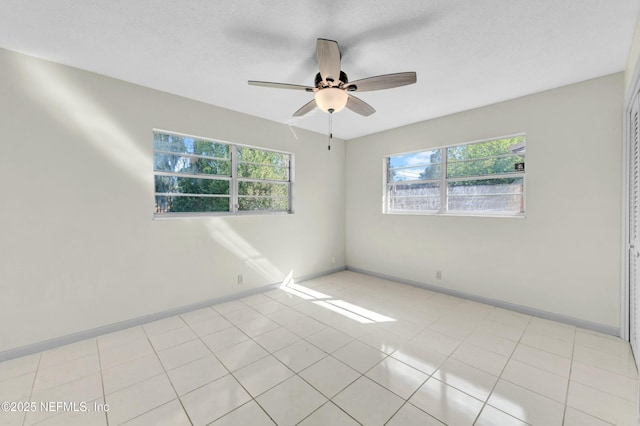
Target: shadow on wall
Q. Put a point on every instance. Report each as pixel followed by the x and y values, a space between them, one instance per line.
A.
pixel 80 112
pixel 226 236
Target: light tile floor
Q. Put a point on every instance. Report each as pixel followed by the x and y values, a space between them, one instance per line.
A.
pixel 344 349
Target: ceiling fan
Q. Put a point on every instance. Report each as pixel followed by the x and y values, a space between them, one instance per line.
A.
pixel 331 85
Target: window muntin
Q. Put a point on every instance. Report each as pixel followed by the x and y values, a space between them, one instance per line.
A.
pixel 480 178
pixel 195 175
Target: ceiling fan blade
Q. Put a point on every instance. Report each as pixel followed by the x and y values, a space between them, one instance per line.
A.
pixel 309 106
pixel 359 106
pixel 328 56
pixel 282 85
pixel 380 82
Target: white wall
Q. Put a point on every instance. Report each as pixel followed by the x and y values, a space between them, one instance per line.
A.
pixel 634 55
pixel 79 248
pixel 564 258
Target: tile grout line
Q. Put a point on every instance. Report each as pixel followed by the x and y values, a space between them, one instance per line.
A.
pixel 429 376
pixel 501 373
pixel 233 325
pixel 221 363
pixel 449 356
pixel 155 351
pixel 566 395
pixel 33 384
pixel 329 400
pixel 442 315
pixel 286 366
pixel 252 398
pixel 566 406
pixel 165 371
pixel 104 394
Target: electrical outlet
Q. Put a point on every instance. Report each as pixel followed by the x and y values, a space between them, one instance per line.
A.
pixel 438 275
pixel 240 278
pixel 333 260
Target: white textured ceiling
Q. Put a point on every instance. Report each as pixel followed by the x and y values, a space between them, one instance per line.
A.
pixel 467 53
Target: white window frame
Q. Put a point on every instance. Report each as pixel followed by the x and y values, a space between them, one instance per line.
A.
pixel 233 179
pixel 443 181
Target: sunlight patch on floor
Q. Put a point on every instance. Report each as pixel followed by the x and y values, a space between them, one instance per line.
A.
pixel 349 310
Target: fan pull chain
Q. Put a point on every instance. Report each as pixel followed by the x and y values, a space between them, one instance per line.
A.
pixel 330 127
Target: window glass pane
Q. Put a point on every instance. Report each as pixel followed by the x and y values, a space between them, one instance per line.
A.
pixel 263 203
pixel 405 174
pixel 182 185
pixel 263 189
pixel 422 158
pixel 186 145
pixel 422 165
pixel 256 171
pixel 486 195
pixel 168 204
pixel 484 158
pixel 414 196
pixel 181 164
pixel 252 155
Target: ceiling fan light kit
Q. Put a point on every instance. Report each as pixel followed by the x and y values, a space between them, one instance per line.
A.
pixel 331 99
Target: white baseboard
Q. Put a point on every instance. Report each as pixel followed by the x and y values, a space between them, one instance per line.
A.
pixel 87 334
pixel 602 328
pixel 94 332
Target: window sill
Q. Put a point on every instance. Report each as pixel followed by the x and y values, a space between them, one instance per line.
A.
pixel 475 214
pixel 173 216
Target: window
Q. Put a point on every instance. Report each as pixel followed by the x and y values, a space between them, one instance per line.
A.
pixel 203 176
pixel 485 177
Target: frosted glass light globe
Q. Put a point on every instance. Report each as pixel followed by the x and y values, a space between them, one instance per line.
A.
pixel 331 98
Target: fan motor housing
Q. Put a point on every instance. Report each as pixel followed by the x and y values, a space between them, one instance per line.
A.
pixel 343 80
